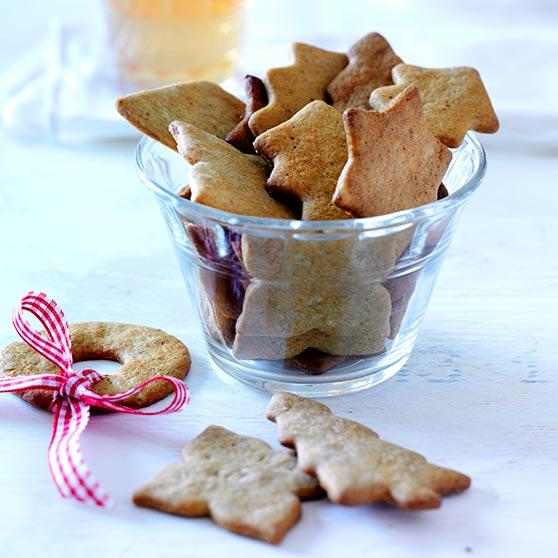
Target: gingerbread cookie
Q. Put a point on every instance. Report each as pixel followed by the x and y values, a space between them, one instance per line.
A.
pixel 216 297
pixel 454 100
pixel 241 136
pixel 370 62
pixel 401 289
pixel 185 192
pixel 308 152
pixel 220 270
pixel 144 352
pixel 223 177
pixel 200 103
pixel 292 87
pixel 243 484
pixel 319 294
pixel 218 326
pixel 220 279
pixel 353 464
pixel 394 163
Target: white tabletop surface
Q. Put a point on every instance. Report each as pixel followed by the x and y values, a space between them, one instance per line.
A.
pixel 479 393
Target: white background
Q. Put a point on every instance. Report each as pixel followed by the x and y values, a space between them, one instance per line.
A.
pixel 479 394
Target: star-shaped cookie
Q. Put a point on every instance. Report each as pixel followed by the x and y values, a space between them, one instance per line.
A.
pixel 200 103
pixel 395 163
pixel 308 152
pixel 354 466
pixel 223 177
pixel 322 294
pixel 292 87
pixel 454 100
pixel 241 482
pixel 370 62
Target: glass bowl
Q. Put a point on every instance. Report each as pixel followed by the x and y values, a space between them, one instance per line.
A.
pixel 317 308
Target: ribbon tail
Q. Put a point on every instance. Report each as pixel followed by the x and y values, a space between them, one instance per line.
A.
pixel 10 384
pixel 180 397
pixel 69 471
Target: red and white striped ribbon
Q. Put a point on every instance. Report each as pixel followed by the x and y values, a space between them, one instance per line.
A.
pixel 73 397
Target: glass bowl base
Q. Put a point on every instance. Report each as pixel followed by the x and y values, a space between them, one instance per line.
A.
pixel 356 376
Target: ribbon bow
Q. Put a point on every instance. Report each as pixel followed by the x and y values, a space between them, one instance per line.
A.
pixel 73 398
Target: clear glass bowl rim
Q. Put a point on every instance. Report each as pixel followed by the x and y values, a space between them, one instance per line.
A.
pixel 398 219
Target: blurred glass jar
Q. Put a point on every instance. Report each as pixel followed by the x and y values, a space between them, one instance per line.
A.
pixel 156 42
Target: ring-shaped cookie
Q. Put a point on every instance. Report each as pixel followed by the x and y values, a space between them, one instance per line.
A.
pixel 142 351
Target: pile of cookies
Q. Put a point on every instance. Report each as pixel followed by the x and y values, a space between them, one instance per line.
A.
pixel 251 489
pixel 331 137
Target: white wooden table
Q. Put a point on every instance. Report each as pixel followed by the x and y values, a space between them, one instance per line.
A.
pixel 479 394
